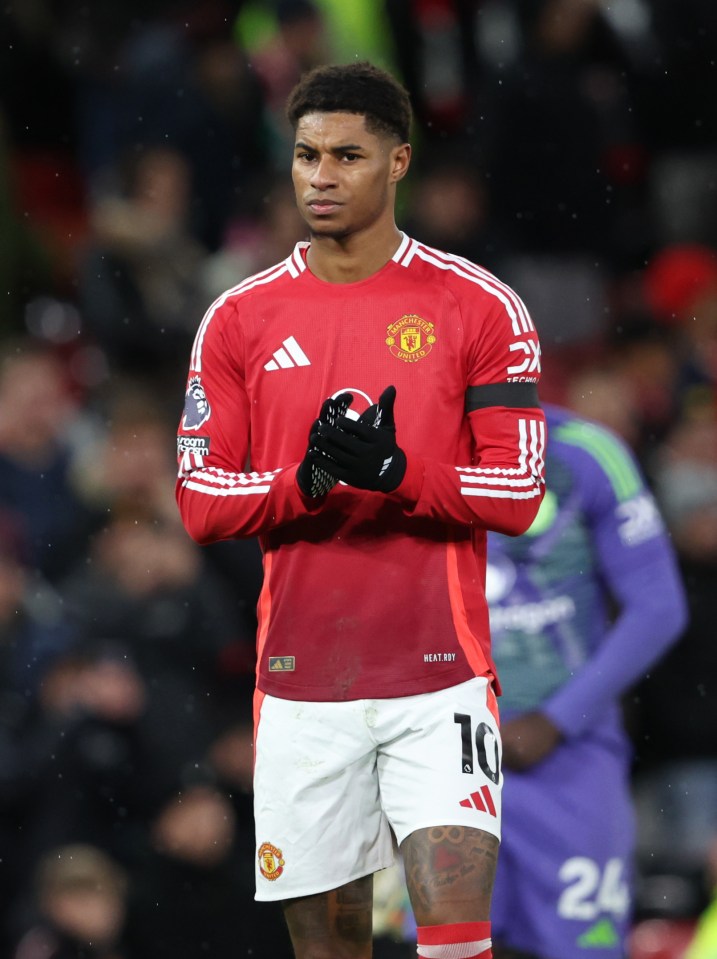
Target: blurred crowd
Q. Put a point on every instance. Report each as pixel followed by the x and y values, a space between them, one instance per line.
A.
pixel 568 145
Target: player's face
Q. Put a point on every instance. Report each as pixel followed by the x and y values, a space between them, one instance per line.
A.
pixel 345 176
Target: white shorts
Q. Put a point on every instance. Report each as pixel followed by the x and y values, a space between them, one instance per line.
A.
pixel 333 780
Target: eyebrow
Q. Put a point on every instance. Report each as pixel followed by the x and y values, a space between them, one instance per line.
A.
pixel 342 148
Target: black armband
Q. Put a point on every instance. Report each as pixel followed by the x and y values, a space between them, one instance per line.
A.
pixel 511 395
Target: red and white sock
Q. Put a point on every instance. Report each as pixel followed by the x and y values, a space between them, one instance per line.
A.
pixel 460 940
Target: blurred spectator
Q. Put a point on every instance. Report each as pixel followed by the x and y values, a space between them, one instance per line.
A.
pixel 681 289
pixel 682 199
pixel 130 459
pixel 145 581
pixel 231 755
pixel 658 360
pixel 127 751
pixel 146 587
pixel 33 635
pixel 139 289
pixel 81 901
pixel 436 55
pixel 195 888
pixel 448 208
pixel 292 41
pixel 566 292
pixel 221 128
pixel 256 242
pixel 562 141
pixel 606 396
pixel 33 630
pixel 284 38
pixel 646 358
pixel 686 480
pixel 196 827
pixel 133 76
pixel 104 770
pixel 159 640
pixel 37 415
pixel 187 86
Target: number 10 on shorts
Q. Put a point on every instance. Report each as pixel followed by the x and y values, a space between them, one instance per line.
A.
pixel 486 745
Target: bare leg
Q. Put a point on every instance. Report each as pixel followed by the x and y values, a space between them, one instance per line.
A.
pixel 450 872
pixel 332 925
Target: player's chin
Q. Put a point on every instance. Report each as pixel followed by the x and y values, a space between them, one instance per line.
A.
pixel 322 228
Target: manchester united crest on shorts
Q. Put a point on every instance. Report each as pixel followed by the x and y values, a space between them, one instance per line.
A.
pixel 411 338
pixel 271 861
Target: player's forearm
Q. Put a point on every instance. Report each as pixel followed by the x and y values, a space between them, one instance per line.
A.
pixel 457 495
pixel 502 492
pixel 639 637
pixel 217 504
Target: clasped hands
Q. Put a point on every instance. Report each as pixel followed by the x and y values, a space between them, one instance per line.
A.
pixel 359 452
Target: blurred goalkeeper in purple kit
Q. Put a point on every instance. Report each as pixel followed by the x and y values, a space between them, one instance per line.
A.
pixel 581 606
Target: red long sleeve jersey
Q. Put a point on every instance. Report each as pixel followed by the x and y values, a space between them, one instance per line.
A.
pixel 366 595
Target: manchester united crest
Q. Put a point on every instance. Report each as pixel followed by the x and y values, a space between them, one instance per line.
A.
pixel 271 861
pixel 411 338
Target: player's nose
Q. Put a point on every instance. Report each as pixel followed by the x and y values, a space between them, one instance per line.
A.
pixel 323 175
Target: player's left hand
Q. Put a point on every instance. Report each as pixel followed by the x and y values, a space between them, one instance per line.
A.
pixel 364 453
pixel 527 740
pixel 312 477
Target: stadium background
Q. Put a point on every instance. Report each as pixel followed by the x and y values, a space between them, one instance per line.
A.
pixel 568 145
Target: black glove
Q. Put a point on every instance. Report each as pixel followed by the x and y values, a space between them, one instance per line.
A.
pixel 312 476
pixel 363 453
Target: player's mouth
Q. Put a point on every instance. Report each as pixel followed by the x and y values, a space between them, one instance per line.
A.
pixel 323 207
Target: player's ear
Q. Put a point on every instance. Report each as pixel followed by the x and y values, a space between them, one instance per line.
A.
pixel 400 162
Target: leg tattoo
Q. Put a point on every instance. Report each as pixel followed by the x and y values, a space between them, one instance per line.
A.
pixel 332 925
pixel 450 872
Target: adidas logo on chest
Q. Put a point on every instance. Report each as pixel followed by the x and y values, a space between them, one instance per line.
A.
pixel 288 356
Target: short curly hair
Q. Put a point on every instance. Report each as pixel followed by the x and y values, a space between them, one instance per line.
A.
pixel 360 88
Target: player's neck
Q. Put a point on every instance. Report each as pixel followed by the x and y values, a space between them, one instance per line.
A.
pixel 352 258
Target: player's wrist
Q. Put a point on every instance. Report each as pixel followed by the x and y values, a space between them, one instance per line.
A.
pixel 568 725
pixel 408 492
pixel 303 479
pixel 311 503
pixel 306 481
pixel 392 477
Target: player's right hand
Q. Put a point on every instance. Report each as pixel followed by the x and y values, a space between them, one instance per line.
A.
pixel 528 740
pixel 312 476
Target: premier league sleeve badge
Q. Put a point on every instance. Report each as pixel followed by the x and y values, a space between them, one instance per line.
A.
pixel 196 406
